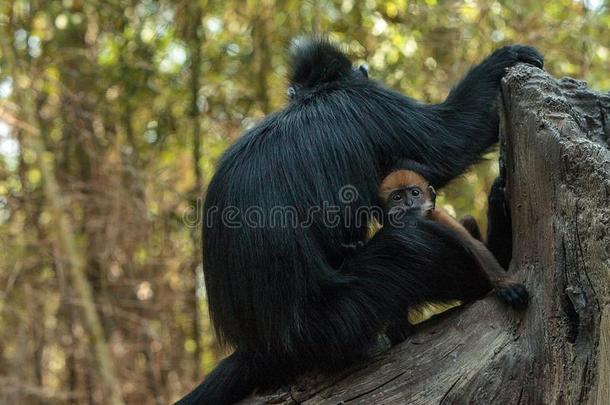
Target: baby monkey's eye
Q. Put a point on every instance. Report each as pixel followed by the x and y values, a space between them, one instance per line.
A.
pixel 415 192
pixel 396 197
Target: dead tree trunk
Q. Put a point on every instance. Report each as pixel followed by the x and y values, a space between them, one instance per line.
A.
pixel 555 149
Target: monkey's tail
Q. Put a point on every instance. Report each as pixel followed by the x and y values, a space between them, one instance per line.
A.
pixel 233 379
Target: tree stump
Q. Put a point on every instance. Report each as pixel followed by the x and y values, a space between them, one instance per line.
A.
pixel 555 150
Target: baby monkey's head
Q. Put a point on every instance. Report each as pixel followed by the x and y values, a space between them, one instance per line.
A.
pixel 405 189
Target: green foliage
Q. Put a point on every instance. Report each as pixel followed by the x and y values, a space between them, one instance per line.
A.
pixel 137 99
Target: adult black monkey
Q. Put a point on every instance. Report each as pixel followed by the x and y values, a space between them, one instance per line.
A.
pixel 276 293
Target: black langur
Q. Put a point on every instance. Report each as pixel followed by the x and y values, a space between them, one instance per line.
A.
pixel 405 189
pixel 285 297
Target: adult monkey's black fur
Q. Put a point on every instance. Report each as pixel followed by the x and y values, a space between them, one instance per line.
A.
pixel 284 297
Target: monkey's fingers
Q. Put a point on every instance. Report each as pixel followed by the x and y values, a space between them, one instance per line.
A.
pixel 515 295
pixel 352 247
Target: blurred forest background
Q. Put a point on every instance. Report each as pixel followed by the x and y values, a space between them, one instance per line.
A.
pixel 112 116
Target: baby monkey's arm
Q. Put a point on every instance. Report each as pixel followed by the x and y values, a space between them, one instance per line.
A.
pixel 511 291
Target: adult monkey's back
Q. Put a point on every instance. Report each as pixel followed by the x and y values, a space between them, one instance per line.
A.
pixel 282 295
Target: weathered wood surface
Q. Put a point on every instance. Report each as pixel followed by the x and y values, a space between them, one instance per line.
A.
pixel 555 144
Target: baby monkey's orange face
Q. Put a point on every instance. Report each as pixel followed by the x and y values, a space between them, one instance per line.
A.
pixel 406 190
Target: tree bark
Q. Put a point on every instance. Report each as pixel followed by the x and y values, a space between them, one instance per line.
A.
pixel 555 151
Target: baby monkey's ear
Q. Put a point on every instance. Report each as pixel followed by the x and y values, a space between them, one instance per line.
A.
pixel 432 196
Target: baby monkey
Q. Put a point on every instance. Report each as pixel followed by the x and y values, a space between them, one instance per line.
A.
pixel 406 189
